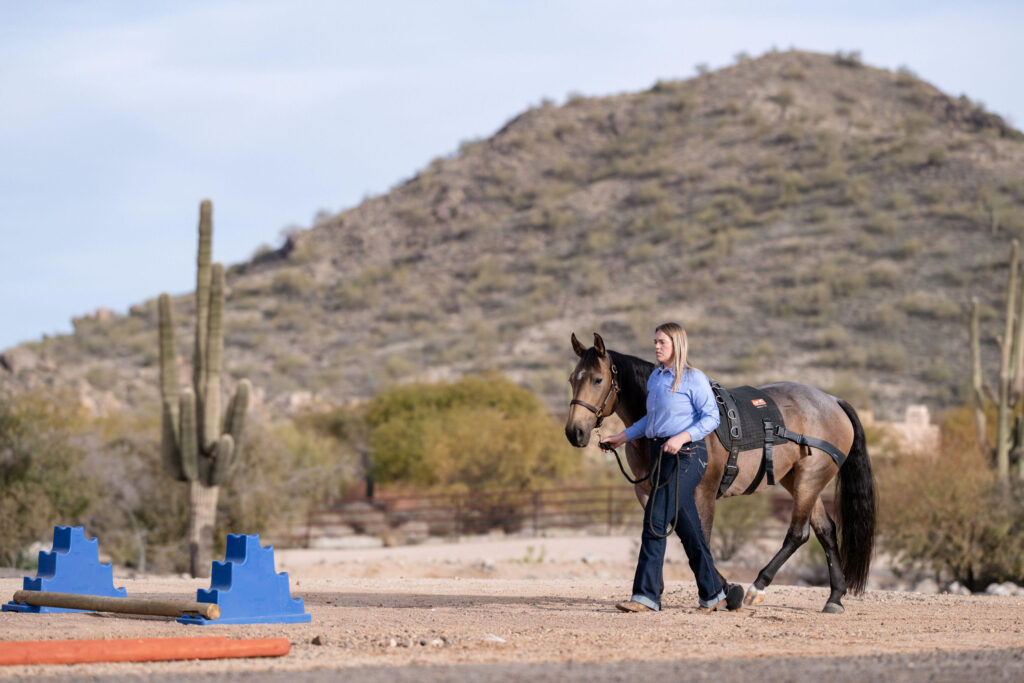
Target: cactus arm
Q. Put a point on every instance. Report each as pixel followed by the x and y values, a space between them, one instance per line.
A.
pixel 977 390
pixel 223 460
pixel 237 410
pixel 168 390
pixel 214 352
pixel 189 439
pixel 203 276
pixel 1018 348
pixel 1003 425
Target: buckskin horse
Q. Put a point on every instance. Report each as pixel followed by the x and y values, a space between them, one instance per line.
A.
pixel 605 382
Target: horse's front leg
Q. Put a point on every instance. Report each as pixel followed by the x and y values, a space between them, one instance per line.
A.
pixel 799 532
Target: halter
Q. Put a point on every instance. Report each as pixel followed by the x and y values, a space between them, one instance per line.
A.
pixel 614 391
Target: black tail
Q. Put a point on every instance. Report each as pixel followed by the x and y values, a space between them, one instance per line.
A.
pixel 855 491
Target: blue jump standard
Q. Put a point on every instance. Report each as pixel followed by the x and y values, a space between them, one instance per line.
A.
pixel 247 588
pixel 72 566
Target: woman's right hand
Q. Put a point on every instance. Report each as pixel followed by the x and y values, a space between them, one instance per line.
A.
pixel 614 441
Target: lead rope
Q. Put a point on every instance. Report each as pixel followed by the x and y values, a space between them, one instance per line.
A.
pixel 654 475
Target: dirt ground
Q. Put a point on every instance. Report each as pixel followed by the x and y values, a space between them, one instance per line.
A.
pixel 543 609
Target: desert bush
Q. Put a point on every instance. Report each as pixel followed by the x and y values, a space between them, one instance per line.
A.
pixel 937 155
pixel 887 356
pixel 832 337
pixel 481 432
pixel 882 224
pixel 40 475
pixel 908 248
pixel 848 386
pixel 884 274
pixel 103 377
pixel 946 514
pixel 850 59
pixel 931 305
pixel 883 317
pixel 291 283
pixel 648 193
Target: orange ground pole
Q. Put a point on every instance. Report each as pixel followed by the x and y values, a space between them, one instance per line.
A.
pixel 14 653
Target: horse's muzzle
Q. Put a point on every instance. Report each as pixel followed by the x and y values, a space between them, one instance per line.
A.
pixel 578 436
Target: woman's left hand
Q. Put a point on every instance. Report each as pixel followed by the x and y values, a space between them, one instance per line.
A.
pixel 676 442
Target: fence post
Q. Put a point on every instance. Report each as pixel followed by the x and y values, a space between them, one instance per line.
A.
pixel 536 512
pixel 610 502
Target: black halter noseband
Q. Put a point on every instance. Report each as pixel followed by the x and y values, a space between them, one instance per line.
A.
pixel 614 391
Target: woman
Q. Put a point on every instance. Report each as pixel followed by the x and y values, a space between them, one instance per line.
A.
pixel 681 411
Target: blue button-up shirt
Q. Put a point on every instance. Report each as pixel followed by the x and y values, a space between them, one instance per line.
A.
pixel 690 408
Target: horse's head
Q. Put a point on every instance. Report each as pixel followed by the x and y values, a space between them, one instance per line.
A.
pixel 595 388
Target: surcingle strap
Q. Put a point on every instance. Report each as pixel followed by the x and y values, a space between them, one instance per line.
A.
pixel 727 408
pixel 769 438
pixel 837 455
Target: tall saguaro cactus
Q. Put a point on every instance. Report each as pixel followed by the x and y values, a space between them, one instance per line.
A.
pixel 1010 410
pixel 195 448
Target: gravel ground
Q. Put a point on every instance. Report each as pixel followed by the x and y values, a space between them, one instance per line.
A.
pixel 492 611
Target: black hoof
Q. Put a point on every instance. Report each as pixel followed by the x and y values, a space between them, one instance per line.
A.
pixel 733 596
pixel 833 608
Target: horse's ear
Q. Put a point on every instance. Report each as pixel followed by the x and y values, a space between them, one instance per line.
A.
pixel 577 347
pixel 599 344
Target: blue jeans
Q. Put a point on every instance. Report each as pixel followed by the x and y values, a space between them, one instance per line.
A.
pixel 647 584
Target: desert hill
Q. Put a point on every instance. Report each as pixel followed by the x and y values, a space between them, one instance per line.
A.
pixel 805 216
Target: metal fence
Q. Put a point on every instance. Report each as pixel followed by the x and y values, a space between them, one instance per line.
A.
pixel 405 518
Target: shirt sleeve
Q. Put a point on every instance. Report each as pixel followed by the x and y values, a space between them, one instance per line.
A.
pixel 636 429
pixel 705 409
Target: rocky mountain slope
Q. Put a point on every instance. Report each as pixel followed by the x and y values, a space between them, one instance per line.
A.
pixel 805 216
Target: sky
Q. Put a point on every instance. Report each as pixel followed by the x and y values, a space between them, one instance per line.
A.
pixel 118 117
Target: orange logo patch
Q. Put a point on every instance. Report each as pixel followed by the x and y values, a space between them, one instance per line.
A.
pixel 758 402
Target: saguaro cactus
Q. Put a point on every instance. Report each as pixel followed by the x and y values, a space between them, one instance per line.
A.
pixel 1010 411
pixel 195 448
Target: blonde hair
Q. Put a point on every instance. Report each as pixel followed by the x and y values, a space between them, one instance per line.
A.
pixel 677 334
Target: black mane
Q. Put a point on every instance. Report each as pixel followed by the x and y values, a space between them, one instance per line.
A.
pixel 633 374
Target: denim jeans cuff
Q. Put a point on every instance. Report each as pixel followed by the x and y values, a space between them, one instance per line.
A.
pixel 644 600
pixel 713 601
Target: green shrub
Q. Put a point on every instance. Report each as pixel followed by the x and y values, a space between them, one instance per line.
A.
pixel 481 432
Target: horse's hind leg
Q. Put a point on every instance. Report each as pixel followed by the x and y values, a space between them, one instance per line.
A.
pixel 796 536
pixel 825 530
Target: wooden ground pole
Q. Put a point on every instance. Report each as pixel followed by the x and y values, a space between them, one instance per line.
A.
pixel 99 603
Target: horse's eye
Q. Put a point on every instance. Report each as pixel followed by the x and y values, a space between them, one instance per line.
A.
pixel 598 380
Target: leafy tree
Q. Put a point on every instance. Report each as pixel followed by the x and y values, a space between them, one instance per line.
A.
pixel 483 431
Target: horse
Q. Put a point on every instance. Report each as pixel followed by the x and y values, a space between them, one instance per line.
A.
pixel 606 382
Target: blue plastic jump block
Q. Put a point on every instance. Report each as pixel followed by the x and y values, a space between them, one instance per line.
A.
pixel 72 566
pixel 247 588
